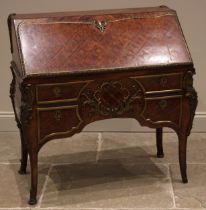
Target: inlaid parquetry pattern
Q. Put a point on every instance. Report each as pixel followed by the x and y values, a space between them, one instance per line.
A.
pixel 61 46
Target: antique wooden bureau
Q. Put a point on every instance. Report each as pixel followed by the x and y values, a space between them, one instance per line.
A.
pixel 71 69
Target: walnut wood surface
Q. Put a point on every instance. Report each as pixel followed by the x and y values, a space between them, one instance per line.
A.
pixel 128 68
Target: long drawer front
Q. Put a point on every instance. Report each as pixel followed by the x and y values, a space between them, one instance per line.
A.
pixel 62 92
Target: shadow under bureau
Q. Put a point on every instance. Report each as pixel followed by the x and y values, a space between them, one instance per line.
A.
pixel 70 69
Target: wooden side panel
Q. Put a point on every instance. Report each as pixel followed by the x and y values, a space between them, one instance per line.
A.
pixel 17 60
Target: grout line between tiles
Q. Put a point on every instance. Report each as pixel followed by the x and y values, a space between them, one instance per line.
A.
pixel 44 188
pixel 67 208
pixel 99 146
pixel 171 186
pixel 18 163
pixel 149 209
pixel 188 163
pixel 67 163
pixel 62 164
pixel 7 163
pixel 142 163
pixel 115 131
pixel 17 208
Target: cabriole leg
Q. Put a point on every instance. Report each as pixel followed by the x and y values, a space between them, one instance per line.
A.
pixel 24 153
pixel 183 155
pixel 160 153
pixel 189 106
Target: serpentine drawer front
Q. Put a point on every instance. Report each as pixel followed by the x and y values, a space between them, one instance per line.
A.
pixel 59 92
pixel 70 69
pixel 161 82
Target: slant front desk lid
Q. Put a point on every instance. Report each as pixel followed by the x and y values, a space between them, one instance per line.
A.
pixel 97 40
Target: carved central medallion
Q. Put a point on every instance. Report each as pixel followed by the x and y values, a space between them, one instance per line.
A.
pixel 110 98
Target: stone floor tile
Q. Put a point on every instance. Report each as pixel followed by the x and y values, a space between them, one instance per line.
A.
pixel 108 185
pixel 9 147
pixel 65 208
pixel 193 194
pixel 141 147
pixel 127 174
pixel 76 149
pixel 128 147
pixel 195 140
pixel 16 208
pixel 14 188
pixel 149 209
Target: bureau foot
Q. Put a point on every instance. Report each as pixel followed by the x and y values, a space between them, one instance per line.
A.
pixel 32 200
pixel 185 180
pixel 182 156
pixel 160 153
pixel 22 171
pixel 34 177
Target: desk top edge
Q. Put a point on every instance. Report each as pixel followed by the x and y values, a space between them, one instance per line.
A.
pixel 92 12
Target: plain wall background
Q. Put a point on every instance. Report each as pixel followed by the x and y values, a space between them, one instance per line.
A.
pixel 192 17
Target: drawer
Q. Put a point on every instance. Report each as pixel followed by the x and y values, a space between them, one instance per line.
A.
pixel 163 109
pixel 163 82
pixel 57 121
pixel 59 92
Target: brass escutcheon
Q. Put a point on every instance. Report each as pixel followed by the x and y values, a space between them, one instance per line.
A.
pixel 57 115
pixel 163 104
pixel 101 25
pixel 57 91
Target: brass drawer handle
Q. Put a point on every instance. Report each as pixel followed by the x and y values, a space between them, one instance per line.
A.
pixel 163 81
pixel 57 91
pixel 163 104
pixel 57 115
